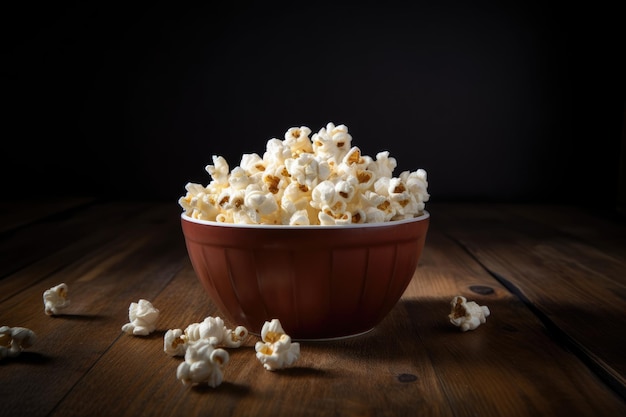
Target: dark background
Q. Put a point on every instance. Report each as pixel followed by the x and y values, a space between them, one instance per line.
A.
pixel 498 101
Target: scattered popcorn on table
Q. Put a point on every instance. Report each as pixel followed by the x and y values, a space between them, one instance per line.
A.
pixel 212 329
pixel 15 339
pixel 467 315
pixel 143 317
pixel 203 364
pixel 322 180
pixel 175 342
pixel 55 299
pixel 276 351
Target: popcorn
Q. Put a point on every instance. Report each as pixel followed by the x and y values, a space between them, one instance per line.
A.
pixel 307 170
pixel 212 329
pixel 175 342
pixel 297 139
pixel 203 363
pixel 276 351
pixel 259 201
pixel 467 315
pixel 219 170
pixel 143 317
pixel 13 340
pixel 302 180
pixel 204 360
pixel 295 205
pixel 55 299
pixel 332 142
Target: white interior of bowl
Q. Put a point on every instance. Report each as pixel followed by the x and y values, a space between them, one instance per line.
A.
pixel 424 216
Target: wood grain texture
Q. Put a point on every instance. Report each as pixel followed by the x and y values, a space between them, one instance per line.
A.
pixel 512 349
pixel 414 363
pixel 15 214
pixel 577 288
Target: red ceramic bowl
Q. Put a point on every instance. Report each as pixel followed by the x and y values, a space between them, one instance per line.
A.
pixel 321 282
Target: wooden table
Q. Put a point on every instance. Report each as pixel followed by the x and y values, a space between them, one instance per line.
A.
pixel 554 278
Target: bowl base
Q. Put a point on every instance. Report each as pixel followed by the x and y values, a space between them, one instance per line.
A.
pixel 322 339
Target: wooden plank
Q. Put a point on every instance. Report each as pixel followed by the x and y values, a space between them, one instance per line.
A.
pixel 414 363
pixel 40 249
pixel 578 290
pixel 44 239
pixel 509 366
pixel 15 214
pixel 360 376
pixel 604 230
pixel 102 285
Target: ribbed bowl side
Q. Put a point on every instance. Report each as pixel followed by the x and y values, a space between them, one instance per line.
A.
pixel 320 283
pixel 209 263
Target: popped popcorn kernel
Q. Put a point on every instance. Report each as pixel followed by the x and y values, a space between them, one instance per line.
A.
pixel 467 315
pixel 215 331
pixel 204 363
pixel 13 340
pixel 56 299
pixel 175 342
pixel 276 350
pixel 143 317
pixel 236 337
pixel 211 329
pixel 308 180
pixel 199 344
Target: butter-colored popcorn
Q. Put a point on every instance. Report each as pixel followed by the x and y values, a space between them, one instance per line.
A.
pixel 324 195
pixel 219 170
pixel 199 203
pixel 252 164
pixel 143 317
pixel 324 179
pixel 467 315
pixel 276 152
pixel 260 201
pixel 276 350
pixel 295 207
pixel 332 142
pixel 238 179
pixel 384 165
pixel 215 331
pixel 13 340
pixel 297 139
pixel 299 218
pixel 377 207
pixel 417 183
pixel 204 363
pixel 212 329
pixel 307 170
pixel 358 169
pixel 175 342
pixel 56 299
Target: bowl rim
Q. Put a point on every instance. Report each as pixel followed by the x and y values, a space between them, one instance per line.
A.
pixel 425 215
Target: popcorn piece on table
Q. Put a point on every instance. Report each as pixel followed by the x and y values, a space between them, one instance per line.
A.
pixel 467 315
pixel 56 299
pixel 203 364
pixel 15 339
pixel 143 317
pixel 213 329
pixel 276 351
pixel 175 342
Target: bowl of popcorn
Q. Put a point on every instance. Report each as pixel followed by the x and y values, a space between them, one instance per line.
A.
pixel 312 233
